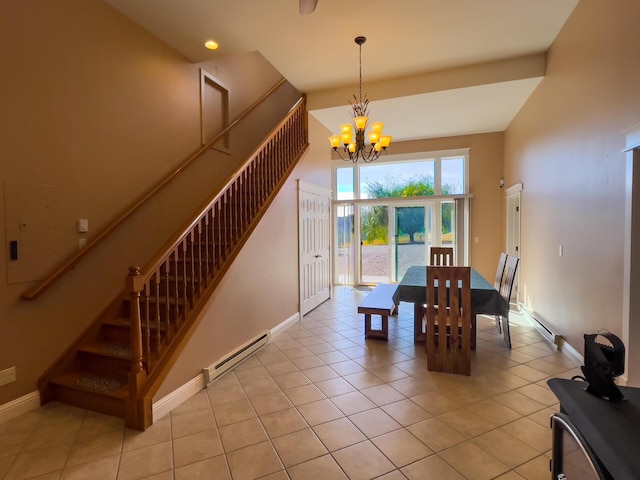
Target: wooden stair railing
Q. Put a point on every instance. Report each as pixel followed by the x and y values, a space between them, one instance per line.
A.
pixel 151 321
pixel 73 260
pixel 164 293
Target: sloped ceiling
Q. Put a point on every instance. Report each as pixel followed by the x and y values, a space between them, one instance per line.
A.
pixel 431 68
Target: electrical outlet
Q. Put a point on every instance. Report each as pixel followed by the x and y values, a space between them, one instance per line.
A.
pixel 7 376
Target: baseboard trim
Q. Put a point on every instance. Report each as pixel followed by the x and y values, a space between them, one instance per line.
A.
pixel 552 337
pixel 565 347
pixel 17 407
pixel 176 398
pixel 180 395
pixel 282 326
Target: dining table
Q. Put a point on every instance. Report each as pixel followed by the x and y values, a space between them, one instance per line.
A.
pixel 485 299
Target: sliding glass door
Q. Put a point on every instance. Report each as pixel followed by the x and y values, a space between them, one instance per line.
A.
pixel 374 244
pixel 412 236
pixel 392 236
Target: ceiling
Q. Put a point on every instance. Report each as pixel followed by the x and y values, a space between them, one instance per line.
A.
pixel 431 68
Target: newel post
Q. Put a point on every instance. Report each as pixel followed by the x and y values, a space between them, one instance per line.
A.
pixel 137 374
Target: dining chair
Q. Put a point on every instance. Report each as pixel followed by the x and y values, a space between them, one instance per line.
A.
pixel 497 284
pixel 448 330
pixel 441 256
pixel 505 291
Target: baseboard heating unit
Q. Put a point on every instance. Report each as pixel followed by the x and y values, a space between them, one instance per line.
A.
pixel 545 331
pixel 235 357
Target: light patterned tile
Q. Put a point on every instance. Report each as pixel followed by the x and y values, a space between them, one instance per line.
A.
pixel 146 461
pixel 431 467
pixel 496 413
pixel 338 434
pixel 436 434
pixel 214 467
pixel 38 462
pixel 530 432
pixel 382 394
pixel 505 447
pixel 298 447
pixel 254 462
pixel 321 468
pixel 353 402
pixel 473 462
pixel 406 412
pixel 401 447
pixel 283 422
pixel 241 434
pixel 335 386
pixel 374 422
pixel 304 394
pixel 319 412
pixel 350 459
pixel 465 421
pixel 102 469
pixel 196 447
pixel 536 469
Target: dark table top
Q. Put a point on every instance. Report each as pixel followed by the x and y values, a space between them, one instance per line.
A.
pixel 484 298
pixel 612 430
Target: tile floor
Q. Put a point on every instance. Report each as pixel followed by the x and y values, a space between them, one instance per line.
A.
pixel 321 402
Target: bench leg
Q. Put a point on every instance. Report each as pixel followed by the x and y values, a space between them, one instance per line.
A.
pixel 378 334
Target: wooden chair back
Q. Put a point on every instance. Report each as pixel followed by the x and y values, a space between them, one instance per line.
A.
pixel 509 277
pixel 497 284
pixel 505 291
pixel 441 256
pixel 448 320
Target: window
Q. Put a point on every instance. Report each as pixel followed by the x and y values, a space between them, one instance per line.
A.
pixel 433 173
pixel 408 179
pixel 388 213
pixel 344 184
pixel 453 177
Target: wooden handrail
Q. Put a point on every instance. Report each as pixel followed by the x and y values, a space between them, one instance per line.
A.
pixel 56 274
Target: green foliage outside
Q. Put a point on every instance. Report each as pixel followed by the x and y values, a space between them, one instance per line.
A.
pixel 410 219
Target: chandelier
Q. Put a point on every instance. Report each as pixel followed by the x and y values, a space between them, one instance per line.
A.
pixel 353 142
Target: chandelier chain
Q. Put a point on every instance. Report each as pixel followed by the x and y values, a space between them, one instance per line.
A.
pixel 360 61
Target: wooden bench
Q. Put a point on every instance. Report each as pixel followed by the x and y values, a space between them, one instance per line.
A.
pixel 378 302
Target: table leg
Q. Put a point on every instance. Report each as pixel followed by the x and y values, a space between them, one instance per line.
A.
pixel 418 315
pixel 473 328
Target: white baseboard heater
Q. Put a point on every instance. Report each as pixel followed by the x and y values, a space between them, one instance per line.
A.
pixel 235 357
pixel 544 330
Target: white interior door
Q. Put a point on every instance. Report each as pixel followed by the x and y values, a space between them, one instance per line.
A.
pixel 513 197
pixel 314 224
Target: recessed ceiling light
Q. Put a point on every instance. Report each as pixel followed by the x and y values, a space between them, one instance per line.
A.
pixel 211 44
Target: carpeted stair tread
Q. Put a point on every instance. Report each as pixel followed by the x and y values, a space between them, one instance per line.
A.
pixel 91 382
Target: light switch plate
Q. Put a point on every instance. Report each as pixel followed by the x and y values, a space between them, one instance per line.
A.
pixel 83 225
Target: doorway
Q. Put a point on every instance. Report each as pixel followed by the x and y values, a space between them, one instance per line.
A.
pixel 376 242
pixel 314 225
pixel 513 209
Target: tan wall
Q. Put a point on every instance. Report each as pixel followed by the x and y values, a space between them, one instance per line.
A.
pixel 487 211
pixel 99 109
pixel 565 146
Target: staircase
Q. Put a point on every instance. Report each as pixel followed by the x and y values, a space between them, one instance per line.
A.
pixel 118 364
